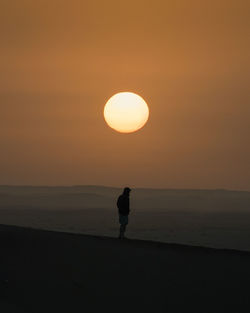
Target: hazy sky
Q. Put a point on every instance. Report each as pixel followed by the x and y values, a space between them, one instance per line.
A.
pixel 61 61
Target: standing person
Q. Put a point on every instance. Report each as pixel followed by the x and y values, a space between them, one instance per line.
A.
pixel 123 210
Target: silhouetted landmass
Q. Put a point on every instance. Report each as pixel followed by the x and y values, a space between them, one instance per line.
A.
pixel 212 218
pixel 141 198
pixel 43 271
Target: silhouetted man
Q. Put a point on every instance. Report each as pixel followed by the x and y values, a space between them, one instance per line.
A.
pixel 123 210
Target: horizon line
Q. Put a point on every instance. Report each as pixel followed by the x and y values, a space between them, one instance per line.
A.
pixel 119 187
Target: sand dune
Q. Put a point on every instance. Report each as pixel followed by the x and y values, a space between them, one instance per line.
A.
pixel 59 272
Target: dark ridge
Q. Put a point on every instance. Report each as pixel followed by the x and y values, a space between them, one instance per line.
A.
pixel 128 242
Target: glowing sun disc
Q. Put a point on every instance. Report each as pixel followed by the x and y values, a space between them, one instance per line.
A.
pixel 126 112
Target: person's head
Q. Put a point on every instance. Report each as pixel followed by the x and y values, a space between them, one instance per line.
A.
pixel 126 191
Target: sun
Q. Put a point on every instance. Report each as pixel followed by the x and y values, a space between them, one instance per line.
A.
pixel 126 112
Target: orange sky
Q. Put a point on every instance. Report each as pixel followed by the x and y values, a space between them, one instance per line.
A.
pixel 62 60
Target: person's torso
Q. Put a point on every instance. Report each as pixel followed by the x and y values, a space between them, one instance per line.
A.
pixel 123 205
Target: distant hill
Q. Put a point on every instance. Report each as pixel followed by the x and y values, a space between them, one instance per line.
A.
pixel 213 218
pixel 77 197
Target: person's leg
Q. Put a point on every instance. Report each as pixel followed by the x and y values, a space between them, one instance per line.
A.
pixel 122 231
pixel 120 234
pixel 125 225
pixel 123 219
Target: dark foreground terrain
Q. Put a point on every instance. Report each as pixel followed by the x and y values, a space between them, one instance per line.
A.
pixel 50 272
